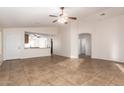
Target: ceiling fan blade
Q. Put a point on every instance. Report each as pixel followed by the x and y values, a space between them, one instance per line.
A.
pixel 55 21
pixel 66 22
pixel 62 8
pixel 52 15
pixel 74 18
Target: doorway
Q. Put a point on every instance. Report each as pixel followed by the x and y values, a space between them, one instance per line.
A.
pixel 51 46
pixel 85 45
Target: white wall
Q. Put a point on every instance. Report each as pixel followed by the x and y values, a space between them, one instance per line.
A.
pixel 1 50
pixel 14 42
pixel 74 39
pixel 63 41
pixel 57 43
pixel 107 37
pixel 106 34
pixel 66 40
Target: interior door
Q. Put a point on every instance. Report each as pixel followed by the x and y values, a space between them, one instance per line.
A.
pixel 51 46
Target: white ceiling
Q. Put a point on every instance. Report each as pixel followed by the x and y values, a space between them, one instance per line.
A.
pixel 109 13
pixel 38 16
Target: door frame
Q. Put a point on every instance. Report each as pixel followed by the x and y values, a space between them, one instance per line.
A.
pixel 79 38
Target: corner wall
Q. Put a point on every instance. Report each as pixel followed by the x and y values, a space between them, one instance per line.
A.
pixel 67 40
pixel 62 41
pixel 107 37
pixel 1 46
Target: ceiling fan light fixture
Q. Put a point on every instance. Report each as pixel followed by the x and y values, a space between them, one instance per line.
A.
pixel 62 19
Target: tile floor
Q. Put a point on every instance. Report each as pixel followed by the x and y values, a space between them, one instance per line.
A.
pixel 61 71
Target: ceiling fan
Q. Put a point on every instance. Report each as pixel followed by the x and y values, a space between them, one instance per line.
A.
pixel 62 18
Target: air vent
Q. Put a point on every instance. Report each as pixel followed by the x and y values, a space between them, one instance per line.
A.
pixel 102 14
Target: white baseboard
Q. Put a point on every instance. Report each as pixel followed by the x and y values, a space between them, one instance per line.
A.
pixel 73 56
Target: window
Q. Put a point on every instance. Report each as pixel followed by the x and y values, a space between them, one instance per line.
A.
pixel 36 40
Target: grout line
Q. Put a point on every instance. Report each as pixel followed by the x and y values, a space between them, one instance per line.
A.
pixel 57 76
pixel 26 74
pixel 110 82
pixel 94 76
pixel 9 79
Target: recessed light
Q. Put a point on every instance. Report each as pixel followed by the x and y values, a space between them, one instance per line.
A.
pixel 102 14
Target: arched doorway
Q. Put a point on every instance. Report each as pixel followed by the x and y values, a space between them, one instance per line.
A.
pixel 84 45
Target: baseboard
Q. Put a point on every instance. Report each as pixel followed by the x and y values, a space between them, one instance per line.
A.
pixel 73 57
pixel 24 58
pixel 109 60
pixel 61 55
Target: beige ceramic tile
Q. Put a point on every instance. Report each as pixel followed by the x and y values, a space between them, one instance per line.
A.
pixel 58 70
